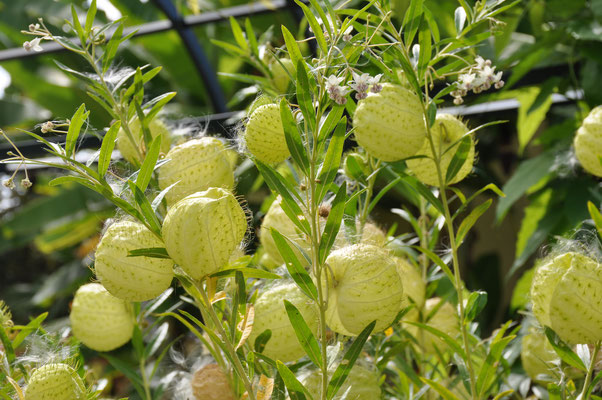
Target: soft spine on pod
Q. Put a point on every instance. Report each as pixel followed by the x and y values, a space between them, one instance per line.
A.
pixel 363 285
pixel 211 383
pixel 131 278
pixel 55 382
pixel 390 125
pixel 270 313
pixel 567 296
pixel 127 148
pixel 446 131
pixel 100 320
pixel 194 166
pixel 588 142
pixel 264 135
pixel 202 230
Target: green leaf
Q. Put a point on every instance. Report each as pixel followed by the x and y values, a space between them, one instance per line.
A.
pixel 7 346
pixel 28 329
pixel 333 223
pixel 318 8
pixel 458 159
pixel 75 126
pixel 382 192
pixel 331 121
pixel 534 102
pixel 262 340
pixel 296 391
pixel 459 20
pixel 142 80
pixel 443 336
pixel 490 366
pixel 437 260
pixel 315 27
pixel 238 35
pixel 332 160
pixel 563 350
pixel 424 38
pixel 90 16
pixel 292 47
pixel 148 165
pixel 128 371
pixel 596 216
pixel 294 267
pixel 77 26
pixel 305 336
pixel 111 48
pixel 304 97
pixel 411 21
pixel 145 207
pixel 475 304
pixel 439 388
pixel 157 104
pixel 342 372
pixel 153 252
pixel 247 272
pixel 106 149
pixel 251 37
pixel 293 137
pixel 471 219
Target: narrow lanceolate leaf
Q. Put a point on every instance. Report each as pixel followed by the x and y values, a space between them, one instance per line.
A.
pixel 304 97
pixel 475 304
pixel 332 160
pixel 148 166
pixel 490 367
pixel 90 16
pixel 333 223
pixel 305 336
pixel 296 391
pixel 342 371
pixel 459 158
pixel 439 388
pixel 596 216
pixel 247 272
pixel 333 118
pixel 75 127
pixel 565 353
pixel 411 21
pixel 238 35
pixel 293 137
pixel 106 149
pixel 154 252
pixel 424 38
pixel 247 326
pixel 294 267
pixel 459 20
pixel 292 47
pixel 251 37
pixel 157 104
pixel 145 207
pixel 471 219
pixel 315 27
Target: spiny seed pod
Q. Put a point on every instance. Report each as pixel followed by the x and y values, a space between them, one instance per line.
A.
pixel 264 135
pixel 414 286
pixel 363 286
pixel 270 313
pixel 128 149
pixel 588 142
pixel 445 319
pixel 361 383
pixel 446 131
pixel 131 278
pixel 195 166
pixel 538 358
pixel 211 383
pixel 282 71
pixel 390 125
pixel 55 382
pixel 567 296
pixel 100 320
pixel 371 234
pixel 202 230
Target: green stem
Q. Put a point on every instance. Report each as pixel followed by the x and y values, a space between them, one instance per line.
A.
pixel 145 382
pixel 584 395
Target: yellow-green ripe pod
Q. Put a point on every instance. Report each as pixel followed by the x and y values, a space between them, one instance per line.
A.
pixel 194 166
pixel 129 151
pixel 100 320
pixel 362 383
pixel 202 230
pixel 363 286
pixel 390 125
pixel 211 383
pixel 55 382
pixel 414 286
pixel 282 72
pixel 264 135
pixel 588 142
pixel 445 319
pixel 538 358
pixel 446 131
pixel 567 296
pixel 270 313
pixel 131 278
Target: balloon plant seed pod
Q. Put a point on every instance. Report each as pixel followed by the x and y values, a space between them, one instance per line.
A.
pixel 538 357
pixel 270 313
pixel 100 320
pixel 444 319
pixel 264 135
pixel 363 285
pixel 567 297
pixel 211 383
pixel 202 230
pixel 362 383
pixel 282 71
pixel 194 166
pixel 446 131
pixel 414 286
pixel 390 125
pixel 588 142
pixel 131 278
pixel 129 151
pixel 57 381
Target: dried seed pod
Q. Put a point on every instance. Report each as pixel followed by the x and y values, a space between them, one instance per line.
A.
pixel 55 382
pixel 270 313
pixel 100 320
pixel 195 166
pixel 363 286
pixel 211 383
pixel 390 124
pixel 588 142
pixel 128 149
pixel 264 135
pixel 446 131
pixel 202 230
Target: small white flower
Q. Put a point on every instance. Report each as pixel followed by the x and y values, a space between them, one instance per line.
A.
pixel 360 83
pixel 333 81
pixel 482 63
pixel 9 183
pixel 33 45
pixel 26 183
pixel 467 81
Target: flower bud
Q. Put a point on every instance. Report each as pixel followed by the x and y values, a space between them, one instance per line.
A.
pixel 588 142
pixel 363 286
pixel 211 383
pixel 129 151
pixel 270 313
pixel 100 320
pixel 202 230
pixel 131 278
pixel 55 382
pixel 264 135
pixel 195 166
pixel 390 124
pixel 446 130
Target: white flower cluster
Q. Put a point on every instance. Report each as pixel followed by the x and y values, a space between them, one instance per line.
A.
pixel 361 84
pixel 479 78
